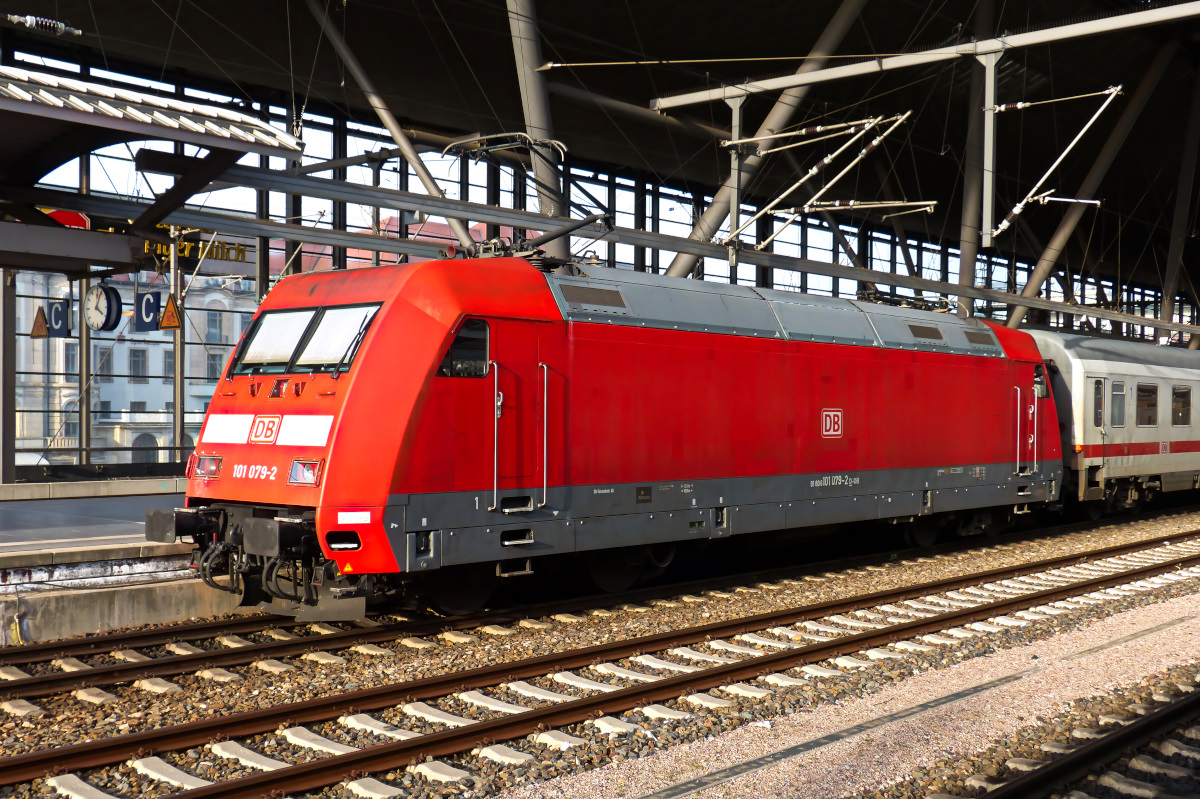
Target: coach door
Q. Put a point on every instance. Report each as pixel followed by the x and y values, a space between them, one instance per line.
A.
pixel 517 434
pixel 1096 433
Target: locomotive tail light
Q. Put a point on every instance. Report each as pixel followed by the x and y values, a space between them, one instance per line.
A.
pixel 207 467
pixel 305 473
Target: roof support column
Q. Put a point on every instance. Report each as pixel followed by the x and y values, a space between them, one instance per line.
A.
pixel 461 232
pixel 527 49
pixel 779 116
pixel 1183 202
pixel 1095 175
pixel 977 183
pixel 8 375
pixel 262 244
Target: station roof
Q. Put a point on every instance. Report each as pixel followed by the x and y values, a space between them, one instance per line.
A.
pixel 447 66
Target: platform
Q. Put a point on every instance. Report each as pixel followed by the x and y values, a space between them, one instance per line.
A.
pixel 56 523
pixel 83 566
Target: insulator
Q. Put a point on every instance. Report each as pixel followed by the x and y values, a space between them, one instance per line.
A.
pixel 44 25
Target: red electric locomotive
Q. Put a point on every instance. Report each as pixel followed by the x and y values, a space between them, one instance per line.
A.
pixel 430 429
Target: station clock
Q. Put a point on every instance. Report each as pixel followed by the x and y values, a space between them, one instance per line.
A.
pixel 102 308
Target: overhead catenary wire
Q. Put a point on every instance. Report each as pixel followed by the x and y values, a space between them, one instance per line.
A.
pixel 867 150
pixel 816 169
pixel 1112 93
pixel 651 62
pixel 1021 105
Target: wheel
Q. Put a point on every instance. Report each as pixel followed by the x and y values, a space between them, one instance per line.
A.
pixel 615 570
pixel 921 535
pixel 461 591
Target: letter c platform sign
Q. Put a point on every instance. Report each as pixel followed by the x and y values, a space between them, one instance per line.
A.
pixel 145 311
pixel 58 319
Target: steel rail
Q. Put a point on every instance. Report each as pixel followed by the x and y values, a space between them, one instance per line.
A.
pixel 59 682
pixel 106 642
pixel 118 748
pixel 328 771
pixel 1076 764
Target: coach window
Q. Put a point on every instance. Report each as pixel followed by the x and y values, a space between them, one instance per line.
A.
pixel 1147 405
pixel 1098 402
pixel 1118 403
pixel 1181 406
pixel 468 353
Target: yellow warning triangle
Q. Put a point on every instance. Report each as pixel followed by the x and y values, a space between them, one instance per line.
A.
pixel 40 327
pixel 170 318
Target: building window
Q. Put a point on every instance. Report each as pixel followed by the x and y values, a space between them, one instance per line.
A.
pixel 1118 403
pixel 245 322
pixel 215 362
pixel 102 363
pixel 214 327
pixel 137 407
pixel 106 409
pixel 1181 406
pixel 70 428
pixel 139 365
pixel 1147 405
pixel 70 362
pixel 168 365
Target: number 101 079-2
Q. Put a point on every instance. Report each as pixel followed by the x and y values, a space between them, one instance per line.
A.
pixel 255 472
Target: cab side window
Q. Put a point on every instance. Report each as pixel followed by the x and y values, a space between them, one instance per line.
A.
pixel 1118 403
pixel 1147 405
pixel 468 353
pixel 1181 406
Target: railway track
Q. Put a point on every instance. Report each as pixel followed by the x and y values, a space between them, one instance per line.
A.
pixel 179 652
pixel 1172 720
pixel 743 659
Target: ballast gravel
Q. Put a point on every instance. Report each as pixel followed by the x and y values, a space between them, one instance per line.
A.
pixel 1055 672
pixel 1100 712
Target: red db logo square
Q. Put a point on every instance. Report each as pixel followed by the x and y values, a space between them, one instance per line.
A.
pixel 831 423
pixel 264 429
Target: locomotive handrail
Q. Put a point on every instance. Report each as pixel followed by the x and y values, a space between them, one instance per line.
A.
pixel 545 433
pixel 1035 431
pixel 498 397
pixel 1018 388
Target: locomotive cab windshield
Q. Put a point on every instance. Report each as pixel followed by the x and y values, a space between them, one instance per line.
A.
pixel 310 340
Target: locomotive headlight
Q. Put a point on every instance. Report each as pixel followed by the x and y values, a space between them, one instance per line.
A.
pixel 207 467
pixel 305 473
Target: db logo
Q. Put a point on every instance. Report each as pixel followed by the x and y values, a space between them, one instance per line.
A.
pixel 831 422
pixel 264 429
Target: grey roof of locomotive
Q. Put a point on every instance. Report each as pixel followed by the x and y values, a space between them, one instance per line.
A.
pixel 641 299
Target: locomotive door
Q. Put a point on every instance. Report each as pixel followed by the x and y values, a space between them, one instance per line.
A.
pixel 517 433
pixel 1027 423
